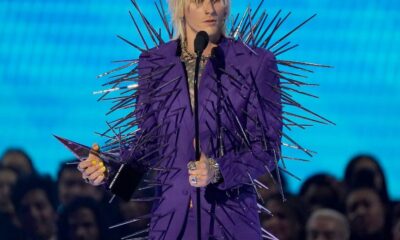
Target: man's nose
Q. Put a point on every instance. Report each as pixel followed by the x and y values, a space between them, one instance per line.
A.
pixel 208 6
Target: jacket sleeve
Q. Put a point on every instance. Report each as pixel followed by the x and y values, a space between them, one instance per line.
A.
pixel 142 148
pixel 263 126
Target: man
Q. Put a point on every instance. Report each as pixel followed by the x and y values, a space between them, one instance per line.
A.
pixel 240 125
pixel 35 202
pixel 223 175
pixel 327 224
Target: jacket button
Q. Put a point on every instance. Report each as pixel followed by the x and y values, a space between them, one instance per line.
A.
pixel 185 192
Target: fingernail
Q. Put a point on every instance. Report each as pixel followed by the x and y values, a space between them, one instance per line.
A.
pixel 103 169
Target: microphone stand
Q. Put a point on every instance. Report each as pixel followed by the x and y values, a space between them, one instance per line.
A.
pixel 197 138
pixel 200 43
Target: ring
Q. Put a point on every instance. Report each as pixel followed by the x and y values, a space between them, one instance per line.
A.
pixel 194 179
pixel 191 165
pixel 86 180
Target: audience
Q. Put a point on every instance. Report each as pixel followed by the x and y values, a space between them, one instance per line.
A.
pixel 18 160
pixel 134 210
pixel 322 191
pixel 33 207
pixel 35 202
pixel 367 213
pixel 396 223
pixel 8 178
pixel 274 184
pixel 70 184
pixel 366 166
pixel 287 222
pixel 82 220
pixel 8 218
pixel 327 224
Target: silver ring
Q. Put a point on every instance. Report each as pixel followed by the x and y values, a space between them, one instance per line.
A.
pixel 86 180
pixel 194 179
pixel 191 165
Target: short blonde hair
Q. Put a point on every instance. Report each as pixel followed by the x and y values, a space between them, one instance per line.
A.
pixel 177 9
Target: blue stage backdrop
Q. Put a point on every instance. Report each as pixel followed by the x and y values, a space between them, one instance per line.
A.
pixel 51 52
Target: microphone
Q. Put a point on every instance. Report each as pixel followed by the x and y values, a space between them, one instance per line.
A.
pixel 200 42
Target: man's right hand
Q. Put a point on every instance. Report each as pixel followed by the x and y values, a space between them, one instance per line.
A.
pixel 93 169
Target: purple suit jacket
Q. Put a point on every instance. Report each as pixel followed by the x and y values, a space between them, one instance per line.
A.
pixel 240 126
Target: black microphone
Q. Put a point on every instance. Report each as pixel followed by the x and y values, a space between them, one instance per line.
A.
pixel 200 42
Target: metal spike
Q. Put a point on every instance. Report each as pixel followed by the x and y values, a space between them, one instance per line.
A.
pixel 136 233
pixel 278 175
pixel 131 221
pixel 290 174
pixel 286 50
pixel 132 44
pixel 268 235
pixel 255 188
pixel 263 209
pixel 268 27
pixel 304 63
pixel 292 31
pixel 138 30
pixel 133 62
pixel 162 14
pixel 148 26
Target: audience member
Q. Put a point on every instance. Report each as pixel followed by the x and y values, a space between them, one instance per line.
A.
pixel 8 178
pixel 366 212
pixel 272 182
pixel 8 218
pixel 396 223
pixel 28 202
pixel 327 224
pixel 287 222
pixel 71 185
pixel 136 210
pixel 362 165
pixel 82 220
pixel 322 191
pixel 34 198
pixel 18 160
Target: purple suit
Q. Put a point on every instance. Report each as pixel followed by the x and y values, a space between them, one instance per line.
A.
pixel 240 127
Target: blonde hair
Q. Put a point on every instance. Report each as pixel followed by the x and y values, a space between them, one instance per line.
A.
pixel 177 9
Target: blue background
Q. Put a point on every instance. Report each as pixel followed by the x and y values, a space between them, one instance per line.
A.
pixel 52 51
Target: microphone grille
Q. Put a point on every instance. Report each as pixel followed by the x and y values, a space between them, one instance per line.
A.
pixel 200 42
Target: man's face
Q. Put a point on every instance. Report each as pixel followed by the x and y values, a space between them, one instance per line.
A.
pixel 365 212
pixel 324 228
pixel 37 214
pixel 70 185
pixel 282 224
pixel 396 230
pixel 83 225
pixel 367 164
pixel 19 162
pixel 208 15
pixel 7 180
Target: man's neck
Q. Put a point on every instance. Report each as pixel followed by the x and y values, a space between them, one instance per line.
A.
pixel 211 44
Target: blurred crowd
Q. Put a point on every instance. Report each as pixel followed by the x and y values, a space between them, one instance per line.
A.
pixel 37 207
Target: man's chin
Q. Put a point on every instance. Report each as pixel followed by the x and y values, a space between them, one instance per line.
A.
pixel 213 35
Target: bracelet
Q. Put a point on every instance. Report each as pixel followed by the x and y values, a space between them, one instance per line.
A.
pixel 215 166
